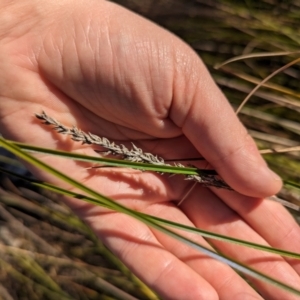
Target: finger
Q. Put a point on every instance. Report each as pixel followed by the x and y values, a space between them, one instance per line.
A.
pixel 210 123
pixel 228 284
pixel 271 220
pixel 135 244
pixel 218 217
pixel 130 240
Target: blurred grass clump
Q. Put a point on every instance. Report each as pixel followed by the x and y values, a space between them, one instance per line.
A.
pixel 47 252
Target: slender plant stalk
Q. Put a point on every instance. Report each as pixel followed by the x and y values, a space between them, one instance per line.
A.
pixel 135 155
pixel 140 166
pixel 255 55
pixel 204 233
pixel 264 81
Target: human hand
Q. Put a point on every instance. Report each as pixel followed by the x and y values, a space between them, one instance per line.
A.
pixel 97 66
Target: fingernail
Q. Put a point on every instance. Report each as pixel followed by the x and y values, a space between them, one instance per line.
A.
pixel 275 176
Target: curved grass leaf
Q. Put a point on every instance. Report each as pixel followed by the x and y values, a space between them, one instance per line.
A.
pixel 255 55
pixel 134 165
pixel 264 81
pixel 204 233
pixel 256 80
pixel 116 162
pixel 145 219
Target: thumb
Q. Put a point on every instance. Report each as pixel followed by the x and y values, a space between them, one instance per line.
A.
pixel 214 129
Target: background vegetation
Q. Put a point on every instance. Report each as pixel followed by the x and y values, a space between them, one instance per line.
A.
pixel 48 253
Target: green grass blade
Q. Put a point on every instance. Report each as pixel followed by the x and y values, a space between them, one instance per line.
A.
pixel 220 237
pixel 292 184
pixel 146 220
pixel 43 291
pixel 116 162
pixel 204 233
pixel 232 263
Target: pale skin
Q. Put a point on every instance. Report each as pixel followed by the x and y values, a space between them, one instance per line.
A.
pixel 106 70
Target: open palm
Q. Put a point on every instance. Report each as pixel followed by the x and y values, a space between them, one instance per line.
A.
pixel 97 66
